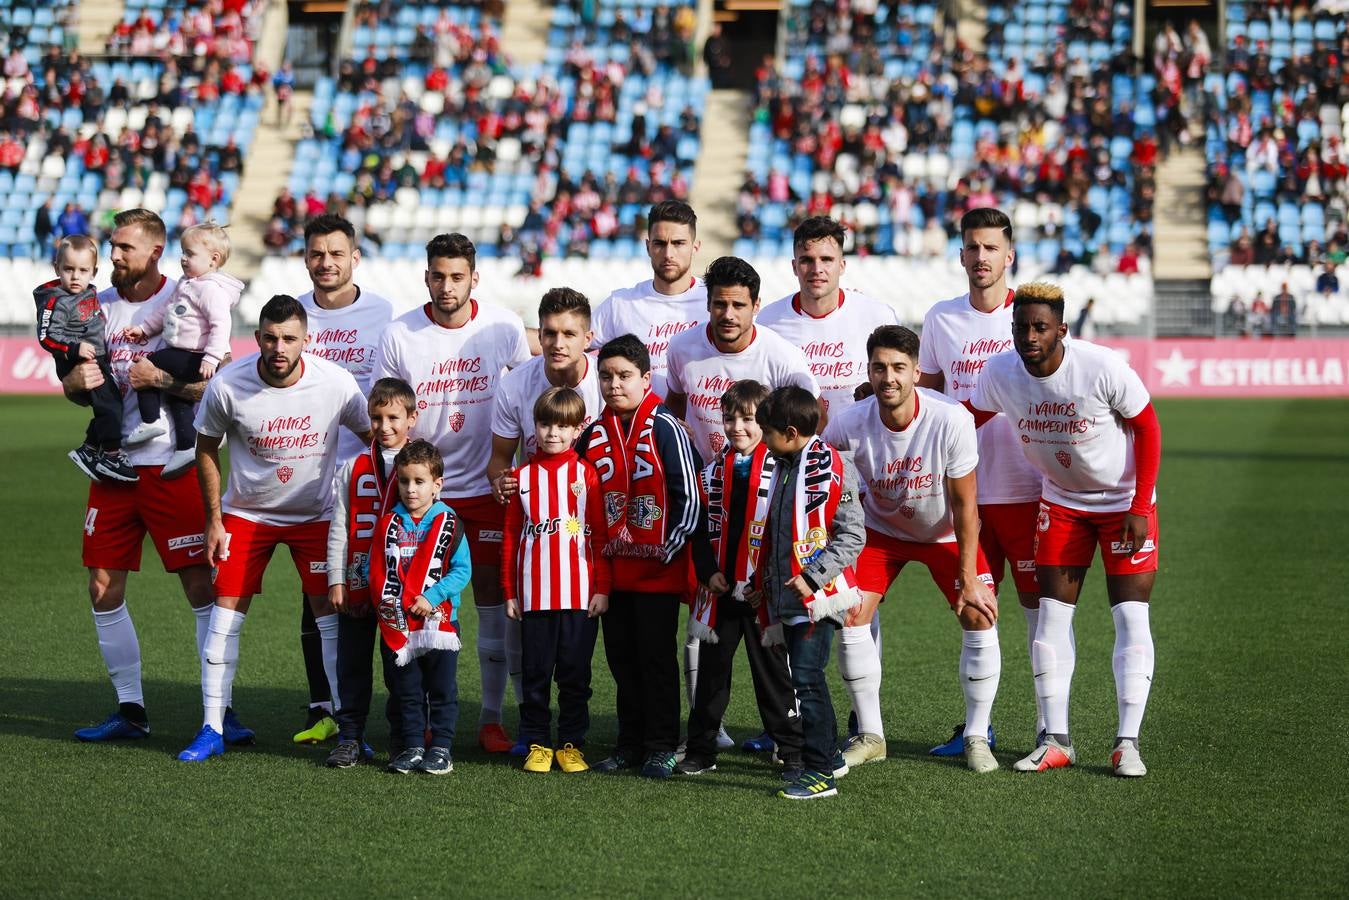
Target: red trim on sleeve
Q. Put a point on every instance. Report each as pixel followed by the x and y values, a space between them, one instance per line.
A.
pixel 980 415
pixel 1147 458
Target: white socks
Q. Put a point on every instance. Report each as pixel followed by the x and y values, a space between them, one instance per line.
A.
pixel 1032 617
pixel 492 661
pixel 327 626
pixel 219 660
pixel 876 632
pixel 860 666
pixel 1053 658
pixel 514 660
pixel 121 652
pixel 203 614
pixel 1132 661
pixel 980 671
pixel 691 648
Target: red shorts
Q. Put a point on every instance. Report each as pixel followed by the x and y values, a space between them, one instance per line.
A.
pixel 1069 537
pixel 250 548
pixel 484 522
pixel 119 515
pixel 884 556
pixel 1007 535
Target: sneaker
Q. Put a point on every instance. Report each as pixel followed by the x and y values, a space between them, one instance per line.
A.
pixel 570 759
pixel 520 748
pixel 724 740
pixel 206 744
pixel 864 748
pixel 810 786
pixel 319 726
pixel 616 763
pixel 367 752
pixel 540 759
pixel 115 465
pixel 692 765
pixel 977 755
pixel 178 464
pixel 760 743
pixel 144 433
pixel 1049 755
pixel 658 765
pixel 86 458
pixel 436 762
pixel 956 745
pixel 237 734
pixel 345 755
pixel 841 766
pixel 791 773
pixel 1126 761
pixel 407 762
pixel 492 738
pixel 115 727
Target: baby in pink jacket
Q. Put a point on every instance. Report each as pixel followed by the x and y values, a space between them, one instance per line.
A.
pixel 195 322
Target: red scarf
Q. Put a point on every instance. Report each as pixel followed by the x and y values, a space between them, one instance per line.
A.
pixel 716 480
pixel 396 583
pixel 368 494
pixel 633 478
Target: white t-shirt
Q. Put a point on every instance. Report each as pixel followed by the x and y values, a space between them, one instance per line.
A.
pixel 283 441
pixel 957 342
pixel 513 408
pixel 652 316
pixel 902 474
pixel 703 373
pixel 456 373
pixel 349 337
pixel 1071 423
pixel 121 314
pixel 835 344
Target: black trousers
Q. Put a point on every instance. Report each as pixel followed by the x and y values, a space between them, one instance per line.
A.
pixel 105 429
pixel 356 637
pixel 427 694
pixel 556 646
pixel 772 685
pixel 642 645
pixel 186 366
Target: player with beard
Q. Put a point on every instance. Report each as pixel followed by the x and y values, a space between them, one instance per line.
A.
pixel 1087 424
pixel 915 452
pixel 454 350
pixel 345 325
pixel 118 516
pixel 286 410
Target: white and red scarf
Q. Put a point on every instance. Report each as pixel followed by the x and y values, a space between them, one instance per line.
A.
pixel 632 477
pixel 717 479
pixel 369 493
pixel 396 582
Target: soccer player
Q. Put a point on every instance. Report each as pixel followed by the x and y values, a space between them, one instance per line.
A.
pixel 453 350
pixel 959 335
pixel 829 324
pixel 1087 423
pixel 345 324
pixel 118 515
pixel 915 453
pixel 649 473
pixel 673 300
pixel 281 413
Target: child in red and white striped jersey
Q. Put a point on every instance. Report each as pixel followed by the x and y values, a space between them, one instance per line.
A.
pixel 555 580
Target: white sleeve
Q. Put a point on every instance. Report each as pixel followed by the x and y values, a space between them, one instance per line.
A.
pixel 386 358
pixel 674 382
pixel 355 411
pixel 962 447
pixel 337 529
pixel 1124 390
pixel 836 435
pixel 928 364
pixel 213 413
pixel 505 411
pixel 986 396
pixel 794 368
pixel 520 355
pixel 599 324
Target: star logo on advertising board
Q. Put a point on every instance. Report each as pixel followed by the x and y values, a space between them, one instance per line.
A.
pixel 1175 369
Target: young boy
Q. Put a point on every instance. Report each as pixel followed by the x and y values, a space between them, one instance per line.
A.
pixel 70 326
pixel 363 491
pixel 813 537
pixel 649 473
pixel 725 555
pixel 555 580
pixel 420 563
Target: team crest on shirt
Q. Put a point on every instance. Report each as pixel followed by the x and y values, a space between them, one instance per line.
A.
pixel 907 511
pixel 456 421
pixel 1064 459
pixel 643 511
pixel 718 441
pixel 577 487
pixel 284 473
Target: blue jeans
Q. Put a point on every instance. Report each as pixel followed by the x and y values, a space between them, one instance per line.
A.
pixel 808 647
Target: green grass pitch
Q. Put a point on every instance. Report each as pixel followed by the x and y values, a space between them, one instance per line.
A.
pixel 1245 735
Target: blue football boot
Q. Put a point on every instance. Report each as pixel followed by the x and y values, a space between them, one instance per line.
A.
pixel 237 733
pixel 206 744
pixel 956 745
pixel 115 727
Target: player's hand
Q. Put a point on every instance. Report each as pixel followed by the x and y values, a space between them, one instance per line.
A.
pixel 863 391
pixel 1134 534
pixel 207 368
pixel 717 584
pixel 505 487
pixel 599 605
pixel 337 597
pixel 217 543
pixel 799 586
pixel 422 607
pixel 135 334
pixel 975 594
pixel 86 350
pixel 754 597
pixel 512 608
pixel 143 374
pixel 84 377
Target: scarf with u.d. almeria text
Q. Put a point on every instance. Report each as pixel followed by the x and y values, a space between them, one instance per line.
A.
pixel 395 583
pixel 717 478
pixel 633 479
pixel 368 495
pixel 819 488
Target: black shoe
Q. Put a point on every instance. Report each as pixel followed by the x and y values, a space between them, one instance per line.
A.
pixel 86 457
pixel 116 466
pixel 693 765
pixel 345 755
pixel 408 761
pixel 437 761
pixel 616 763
